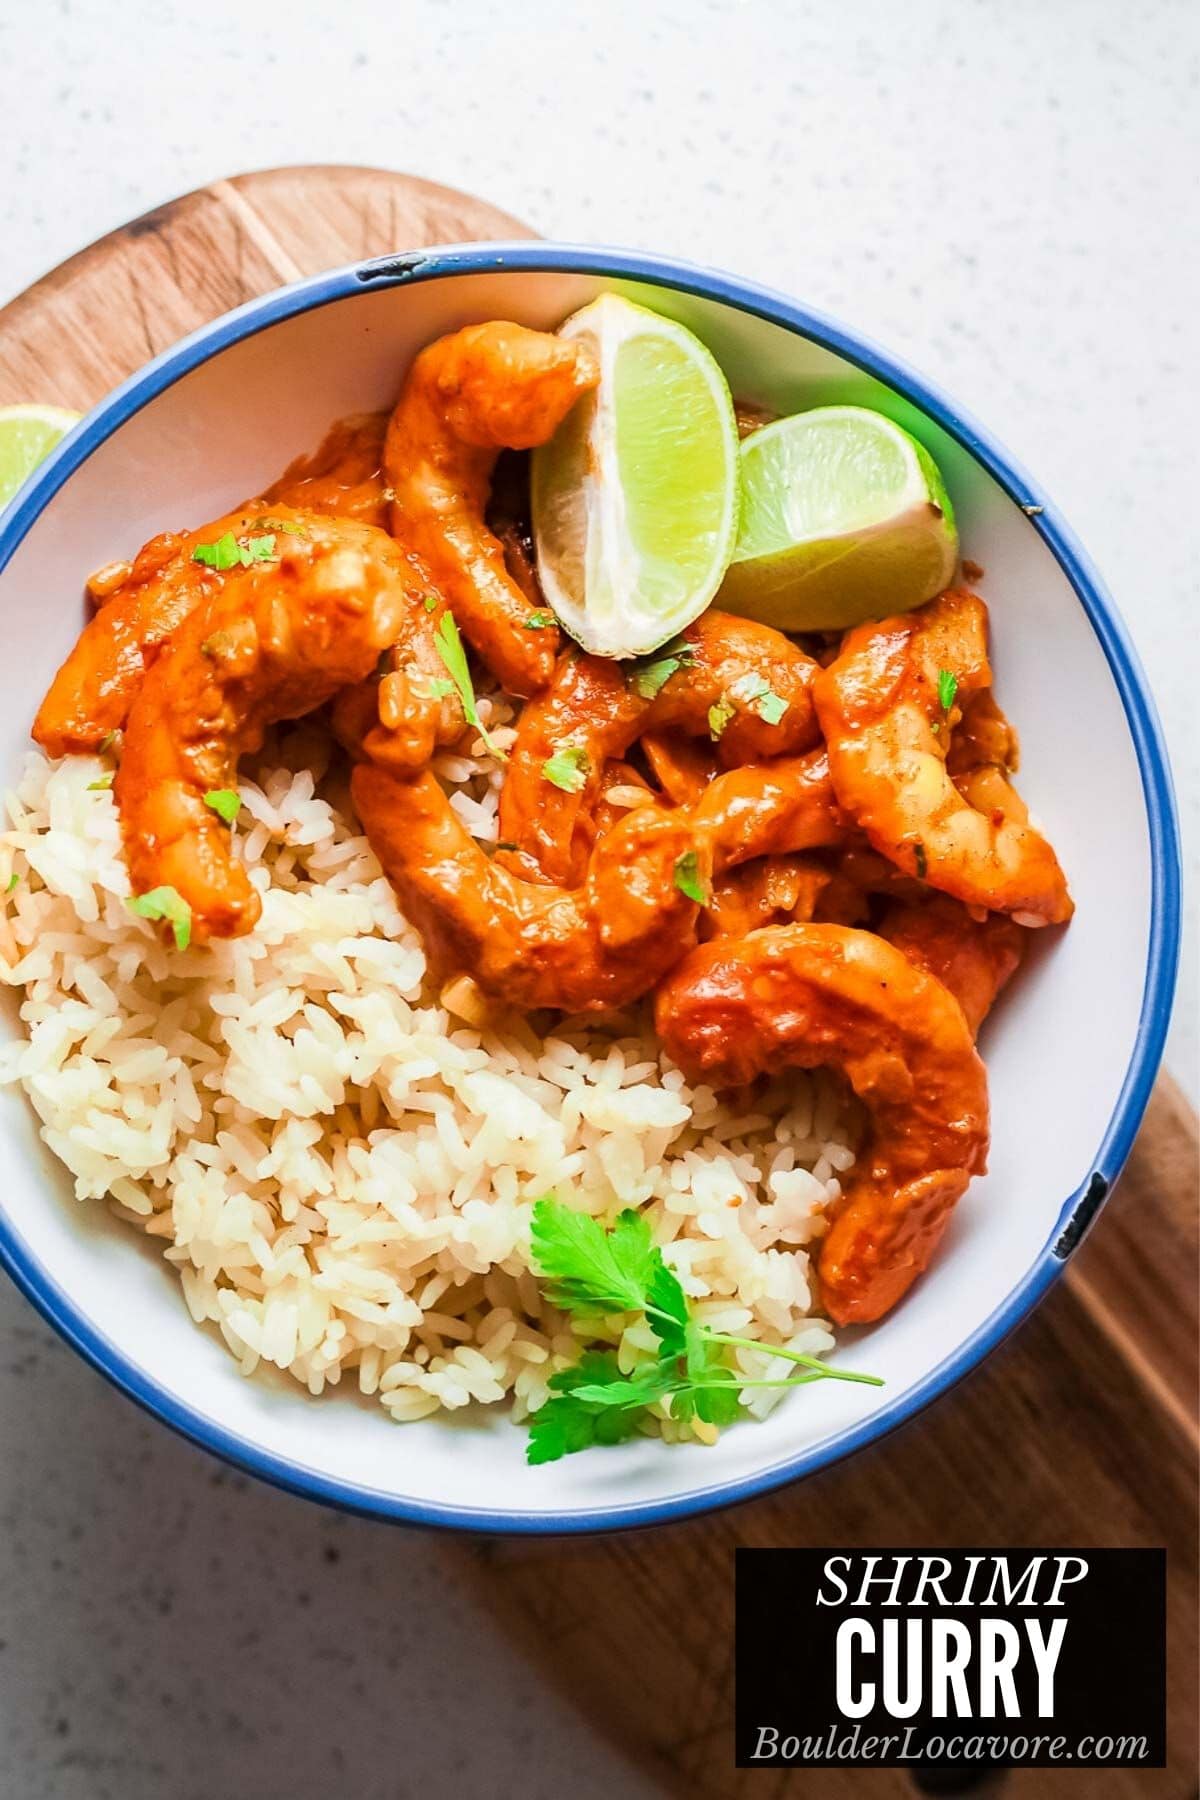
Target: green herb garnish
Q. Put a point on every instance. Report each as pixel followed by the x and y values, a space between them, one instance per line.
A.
pixel 165 903
pixel 538 621
pixel 564 1423
pixel 102 785
pixel 259 549
pixel 592 1272
pixel 292 527
pixel 450 649
pixel 591 1269
pixel 687 878
pixel 13 881
pixel 760 697
pixel 430 603
pixel 947 687
pixel 748 690
pixel 719 716
pixel 568 768
pixel 225 802
pixel 647 678
pixel 227 553
pixel 224 554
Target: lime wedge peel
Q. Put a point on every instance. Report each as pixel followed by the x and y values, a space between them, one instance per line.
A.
pixel 635 499
pixel 845 517
pixel 27 436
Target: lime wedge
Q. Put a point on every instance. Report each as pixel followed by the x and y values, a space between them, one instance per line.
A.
pixel 635 498
pixel 844 517
pixel 27 435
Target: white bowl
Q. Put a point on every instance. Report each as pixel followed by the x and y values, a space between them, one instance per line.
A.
pixel 1071 1054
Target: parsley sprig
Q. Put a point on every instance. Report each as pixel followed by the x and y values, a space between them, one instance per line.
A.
pixel 592 1272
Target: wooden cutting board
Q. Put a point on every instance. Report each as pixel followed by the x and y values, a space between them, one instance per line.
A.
pixel 1080 1431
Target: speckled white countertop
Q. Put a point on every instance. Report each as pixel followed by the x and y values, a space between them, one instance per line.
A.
pixel 998 191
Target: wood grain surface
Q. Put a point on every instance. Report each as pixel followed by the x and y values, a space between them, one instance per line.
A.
pixel 1080 1431
pixel 95 319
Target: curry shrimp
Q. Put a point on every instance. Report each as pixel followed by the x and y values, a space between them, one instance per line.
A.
pixel 141 605
pixel 812 995
pixel 740 687
pixel 608 969
pixel 888 706
pixel 484 389
pixel 587 949
pixel 975 958
pixel 273 642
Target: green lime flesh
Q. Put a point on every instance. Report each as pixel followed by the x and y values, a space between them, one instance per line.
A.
pixel 635 499
pixel 845 517
pixel 27 436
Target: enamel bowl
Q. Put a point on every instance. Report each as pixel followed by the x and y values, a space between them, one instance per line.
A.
pixel 1071 1052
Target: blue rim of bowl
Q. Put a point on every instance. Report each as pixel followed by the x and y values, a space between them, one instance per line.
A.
pixel 442 262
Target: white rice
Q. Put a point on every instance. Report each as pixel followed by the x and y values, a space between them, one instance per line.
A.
pixel 340 1169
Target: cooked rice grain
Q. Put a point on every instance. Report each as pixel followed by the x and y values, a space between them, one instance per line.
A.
pixel 341 1168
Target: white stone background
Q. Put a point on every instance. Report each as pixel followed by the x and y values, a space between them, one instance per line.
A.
pixel 1004 192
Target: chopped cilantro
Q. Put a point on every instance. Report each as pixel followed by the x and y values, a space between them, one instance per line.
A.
pixel 227 553
pixel 165 903
pixel 947 687
pixel 430 603
pixel 648 676
pixel 224 554
pixel 450 649
pixel 259 549
pixel 760 697
pixel 102 785
pixel 687 878
pixel 568 768
pixel 647 681
pixel 224 802
pixel 719 716
pixel 748 688
pixel 539 621
pixel 13 881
